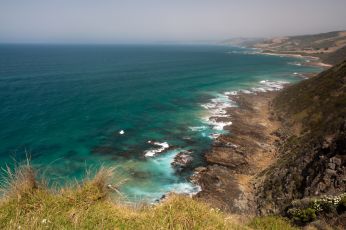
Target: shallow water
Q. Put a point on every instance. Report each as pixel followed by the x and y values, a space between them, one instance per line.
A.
pixel 75 107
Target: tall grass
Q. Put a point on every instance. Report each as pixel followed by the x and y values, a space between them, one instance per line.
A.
pixel 18 181
pixel 29 204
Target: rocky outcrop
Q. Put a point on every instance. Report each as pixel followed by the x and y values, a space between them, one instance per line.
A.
pixel 224 189
pixel 182 161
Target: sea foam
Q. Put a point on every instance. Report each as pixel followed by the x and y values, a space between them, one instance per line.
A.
pixel 152 152
pixel 217 117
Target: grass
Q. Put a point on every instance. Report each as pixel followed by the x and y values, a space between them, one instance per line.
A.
pixel 322 97
pixel 28 204
pixel 271 223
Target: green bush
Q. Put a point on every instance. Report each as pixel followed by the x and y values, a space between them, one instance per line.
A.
pixel 307 209
pixel 342 204
pixel 303 215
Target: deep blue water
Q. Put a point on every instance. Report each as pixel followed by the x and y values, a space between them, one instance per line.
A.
pixel 65 105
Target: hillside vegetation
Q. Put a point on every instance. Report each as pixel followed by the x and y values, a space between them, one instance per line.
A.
pixel 335 57
pixel 312 146
pixel 28 204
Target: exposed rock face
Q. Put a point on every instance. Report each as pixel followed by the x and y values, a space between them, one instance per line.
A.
pixel 225 190
pixel 309 169
pixel 235 159
pixel 313 155
pixel 182 161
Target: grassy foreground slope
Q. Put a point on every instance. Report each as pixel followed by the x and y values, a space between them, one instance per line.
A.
pixel 28 204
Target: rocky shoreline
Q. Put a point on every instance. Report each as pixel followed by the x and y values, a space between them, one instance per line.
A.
pixel 280 158
pixel 236 159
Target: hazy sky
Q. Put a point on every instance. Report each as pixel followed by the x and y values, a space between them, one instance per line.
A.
pixel 117 21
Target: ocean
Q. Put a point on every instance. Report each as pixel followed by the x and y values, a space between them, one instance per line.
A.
pixel 74 108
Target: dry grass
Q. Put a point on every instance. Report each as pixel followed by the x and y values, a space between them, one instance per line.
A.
pixel 271 223
pixel 28 205
pixel 18 181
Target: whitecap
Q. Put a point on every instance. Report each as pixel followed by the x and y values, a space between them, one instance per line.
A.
pixel 245 91
pixel 152 152
pixel 198 128
pixel 295 63
pixel 218 125
pixel 267 85
pixel 233 93
pixel 214 135
pixel 217 108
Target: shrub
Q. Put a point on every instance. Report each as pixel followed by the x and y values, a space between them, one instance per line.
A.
pixel 342 204
pixel 19 181
pixel 303 215
pixel 307 209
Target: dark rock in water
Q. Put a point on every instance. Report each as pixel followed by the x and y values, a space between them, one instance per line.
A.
pixel 182 161
pixel 103 150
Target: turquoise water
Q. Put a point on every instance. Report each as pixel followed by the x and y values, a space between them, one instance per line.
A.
pixel 65 105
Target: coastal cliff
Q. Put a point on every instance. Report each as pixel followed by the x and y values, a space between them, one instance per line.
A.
pixel 284 146
pixel 312 152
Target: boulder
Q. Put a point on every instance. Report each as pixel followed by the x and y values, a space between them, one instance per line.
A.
pixel 182 161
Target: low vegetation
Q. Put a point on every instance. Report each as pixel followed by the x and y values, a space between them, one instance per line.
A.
pixel 272 223
pixel 308 209
pixel 27 203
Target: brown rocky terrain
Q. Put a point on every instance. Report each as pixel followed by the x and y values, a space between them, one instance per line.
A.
pixel 283 146
pixel 235 159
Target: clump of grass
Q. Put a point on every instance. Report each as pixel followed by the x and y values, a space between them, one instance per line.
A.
pixel 271 223
pixel 18 181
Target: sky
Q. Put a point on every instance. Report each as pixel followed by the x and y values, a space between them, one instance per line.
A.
pixel 150 21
